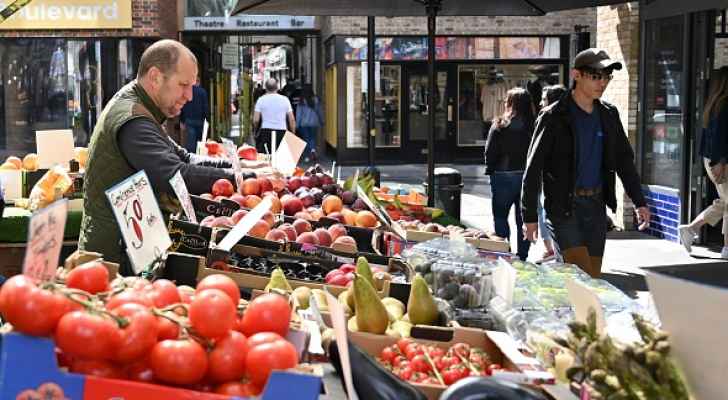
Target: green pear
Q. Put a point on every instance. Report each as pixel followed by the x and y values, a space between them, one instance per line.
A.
pixel 344 299
pixel 321 300
pixel 278 281
pixel 391 301
pixel 421 307
pixel 302 295
pixel 363 269
pixel 371 315
pixel 351 325
pixel 395 313
pixel 350 299
pixel 402 327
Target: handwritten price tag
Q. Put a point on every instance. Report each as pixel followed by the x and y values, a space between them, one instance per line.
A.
pixel 45 238
pixel 180 188
pixel 140 220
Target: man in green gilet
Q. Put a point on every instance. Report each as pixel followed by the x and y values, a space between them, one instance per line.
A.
pixel 129 137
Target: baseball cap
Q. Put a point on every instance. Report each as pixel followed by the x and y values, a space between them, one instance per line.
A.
pixel 595 59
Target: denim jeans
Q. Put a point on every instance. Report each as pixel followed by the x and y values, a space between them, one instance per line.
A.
pixel 194 135
pixel 506 188
pixel 308 133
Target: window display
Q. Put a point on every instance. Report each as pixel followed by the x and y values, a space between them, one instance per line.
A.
pixel 387 107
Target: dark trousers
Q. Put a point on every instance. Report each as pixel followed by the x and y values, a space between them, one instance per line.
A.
pixel 506 188
pixel 194 135
pixel 308 133
pixel 263 139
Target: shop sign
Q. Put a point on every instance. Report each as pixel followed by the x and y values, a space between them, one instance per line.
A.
pixel 70 14
pixel 140 220
pixel 249 23
pixel 229 56
pixel 45 239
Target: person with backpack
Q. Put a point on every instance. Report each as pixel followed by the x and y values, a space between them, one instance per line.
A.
pixel 309 119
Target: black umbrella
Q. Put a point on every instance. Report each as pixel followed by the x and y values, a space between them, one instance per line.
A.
pixel 400 8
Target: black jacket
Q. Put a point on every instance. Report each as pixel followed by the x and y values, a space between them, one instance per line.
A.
pixel 507 146
pixel 552 162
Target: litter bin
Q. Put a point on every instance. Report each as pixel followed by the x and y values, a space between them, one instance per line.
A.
pixel 448 190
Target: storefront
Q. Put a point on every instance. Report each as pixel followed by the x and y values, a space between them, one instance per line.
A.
pixel 473 75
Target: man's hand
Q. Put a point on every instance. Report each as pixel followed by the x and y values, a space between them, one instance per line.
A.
pixel 530 231
pixel 643 218
pixel 719 172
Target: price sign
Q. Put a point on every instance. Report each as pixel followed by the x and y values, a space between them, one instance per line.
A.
pixel 45 239
pixel 140 220
pixel 180 188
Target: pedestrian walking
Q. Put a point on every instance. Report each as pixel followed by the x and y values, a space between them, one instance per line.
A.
pixel 273 113
pixel 193 116
pixel 578 146
pixel 505 161
pixel 309 119
pixel 714 149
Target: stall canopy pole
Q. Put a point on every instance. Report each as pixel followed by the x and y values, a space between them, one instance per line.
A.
pixel 371 124
pixel 433 6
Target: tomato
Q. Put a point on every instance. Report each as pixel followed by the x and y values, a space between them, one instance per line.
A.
pixel 212 313
pixel 238 389
pixel 128 296
pixel 461 349
pixel 267 313
pixel 417 376
pixel 29 309
pixel 165 293
pixel 166 329
pixel 265 358
pixel 186 294
pixel 450 361
pixel 85 335
pixel 180 362
pixel 92 277
pixel 64 360
pixel 388 354
pixel 413 350
pixel 140 371
pixel 263 337
pixel 227 358
pixel 398 360
pixel 142 285
pixel 100 368
pixel 419 363
pixel 435 352
pixel 453 374
pixel 222 282
pixel 402 344
pixel 139 336
pixel 406 373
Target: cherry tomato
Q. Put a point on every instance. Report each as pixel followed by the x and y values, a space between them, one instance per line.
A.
pixel 398 360
pixel 461 349
pixel 142 284
pixel 222 282
pixel 413 350
pixel 263 337
pixel 100 368
pixel 402 344
pixel 137 338
pixel 85 335
pixel 92 277
pixel 238 389
pixel 140 371
pixel 419 363
pixel 227 358
pixel 429 381
pixel 166 329
pixel 267 313
pixel 180 362
pixel 452 374
pixel 265 358
pixel 417 376
pixel 405 373
pixel 212 313
pixel 165 293
pixel 29 309
pixel 387 354
pixel 450 361
pixel 129 296
pixel 435 352
pixel 186 294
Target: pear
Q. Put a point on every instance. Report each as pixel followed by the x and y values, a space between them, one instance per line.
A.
pixel 302 294
pixel 278 281
pixel 350 299
pixel 363 269
pixel 421 306
pixel 371 315
pixel 391 301
pixel 344 298
pixel 351 325
pixel 395 313
pixel 401 327
pixel 321 301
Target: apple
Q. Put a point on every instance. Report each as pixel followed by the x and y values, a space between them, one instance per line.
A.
pixel 346 240
pixel 238 215
pixel 292 205
pixel 318 195
pixel 324 238
pixel 222 187
pixel 307 237
pixel 326 180
pixel 301 225
pixel 319 178
pixel 278 184
pixel 289 230
pixel 348 197
pixel 307 199
pixel 276 235
pixel 264 184
pixel 315 181
pixel 307 181
pixel 294 183
pixel 330 188
pixel 336 231
pixel 303 215
pixel 359 205
pixel 238 198
pixel 250 186
pixel 260 229
pixel 222 222
pixel 287 196
pixel 247 152
pixel 252 200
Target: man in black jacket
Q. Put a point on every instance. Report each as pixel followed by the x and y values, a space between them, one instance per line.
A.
pixel 577 147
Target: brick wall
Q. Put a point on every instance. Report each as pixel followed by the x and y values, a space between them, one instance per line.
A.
pixel 150 18
pixel 618 34
pixel 664 205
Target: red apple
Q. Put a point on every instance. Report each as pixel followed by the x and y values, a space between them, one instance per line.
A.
pixel 307 181
pixel 247 152
pixel 307 237
pixel 290 231
pixel 250 186
pixel 326 180
pixel 301 225
pixel 238 215
pixel 264 184
pixel 286 197
pixel 222 187
pixel 252 200
pixel 238 198
pixel 276 235
pixel 292 205
pixel 324 238
pixel 294 183
pixel 307 200
pixel 336 231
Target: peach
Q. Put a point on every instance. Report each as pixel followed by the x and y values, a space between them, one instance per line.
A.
pixel 17 162
pixel 264 185
pixel 331 204
pixel 349 216
pixel 260 229
pixel 289 230
pixel 291 205
pixel 238 215
pixel 337 216
pixel 275 204
pixel 238 198
pixel 336 231
pixel 316 214
pixel 301 225
pixel 30 162
pixel 303 215
pixel 276 235
pixel 307 237
pixel 324 238
pixel 268 217
pixel 252 200
pixel 251 186
pixel 366 219
pixel 347 241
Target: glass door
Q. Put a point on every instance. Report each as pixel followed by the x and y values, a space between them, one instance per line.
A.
pixel 417 116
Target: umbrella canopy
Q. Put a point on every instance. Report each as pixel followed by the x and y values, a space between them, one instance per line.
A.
pixel 401 8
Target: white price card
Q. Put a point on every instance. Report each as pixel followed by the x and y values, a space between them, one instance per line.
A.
pixel 45 239
pixel 584 300
pixel 180 188
pixel 381 214
pixel 140 220
pixel 338 319
pixel 245 225
pixel 289 153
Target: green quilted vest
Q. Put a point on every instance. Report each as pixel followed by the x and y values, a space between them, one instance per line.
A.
pixel 106 167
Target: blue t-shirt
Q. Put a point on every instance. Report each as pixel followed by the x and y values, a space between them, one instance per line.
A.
pixel 590 145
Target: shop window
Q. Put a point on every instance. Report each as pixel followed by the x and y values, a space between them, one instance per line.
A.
pixel 387 107
pixel 84 88
pixel 721 40
pixel 482 91
pixel 210 8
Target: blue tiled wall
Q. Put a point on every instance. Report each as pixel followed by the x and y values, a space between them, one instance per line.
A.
pixel 664 205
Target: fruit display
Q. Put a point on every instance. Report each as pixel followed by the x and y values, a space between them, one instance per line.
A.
pixel 426 364
pixel 206 338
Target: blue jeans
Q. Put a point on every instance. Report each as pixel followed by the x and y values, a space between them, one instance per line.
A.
pixel 308 133
pixel 506 188
pixel 543 231
pixel 194 135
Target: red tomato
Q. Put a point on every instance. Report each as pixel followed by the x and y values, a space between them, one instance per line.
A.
pixel 29 309
pixel 238 389
pixel 142 284
pixel 265 358
pixel 85 335
pixel 429 381
pixel 402 344
pixel 139 336
pixel 212 313
pixel 167 329
pixel 413 350
pixel 165 293
pixel 435 352
pixel 267 313
pixel 100 368
pixel 263 337
pixel 186 294
pixel 419 363
pixel 222 282
pixel 179 362
pixel 140 371
pixel 461 349
pixel 92 277
pixel 398 360
pixel 406 373
pixel 128 296
pixel 227 358
pixel 387 354
pixel 453 374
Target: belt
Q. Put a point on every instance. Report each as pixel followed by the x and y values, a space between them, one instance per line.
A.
pixel 587 192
